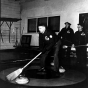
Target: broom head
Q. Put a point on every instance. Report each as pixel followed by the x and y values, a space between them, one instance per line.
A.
pixel 14 74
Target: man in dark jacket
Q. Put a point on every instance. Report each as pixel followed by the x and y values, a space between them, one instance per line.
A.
pixel 48 42
pixel 80 44
pixel 67 39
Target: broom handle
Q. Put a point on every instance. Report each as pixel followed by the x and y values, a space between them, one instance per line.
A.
pixel 31 60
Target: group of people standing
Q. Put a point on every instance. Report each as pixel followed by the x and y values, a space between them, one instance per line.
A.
pixel 66 38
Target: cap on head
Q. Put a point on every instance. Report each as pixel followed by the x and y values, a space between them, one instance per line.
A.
pixel 67 23
pixel 42 25
pixel 80 24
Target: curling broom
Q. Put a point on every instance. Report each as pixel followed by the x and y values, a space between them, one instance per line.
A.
pixel 17 72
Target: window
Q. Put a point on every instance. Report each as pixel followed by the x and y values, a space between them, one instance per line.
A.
pixel 32 25
pixel 52 22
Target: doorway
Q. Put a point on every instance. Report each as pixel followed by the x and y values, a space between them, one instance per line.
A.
pixel 83 19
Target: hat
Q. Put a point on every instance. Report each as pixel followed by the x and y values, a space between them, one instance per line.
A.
pixel 67 23
pixel 80 24
pixel 42 25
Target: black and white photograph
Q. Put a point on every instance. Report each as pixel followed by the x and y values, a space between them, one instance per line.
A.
pixel 44 44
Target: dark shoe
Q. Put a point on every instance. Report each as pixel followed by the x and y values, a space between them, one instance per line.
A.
pixel 61 74
pixel 56 73
pixel 42 70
